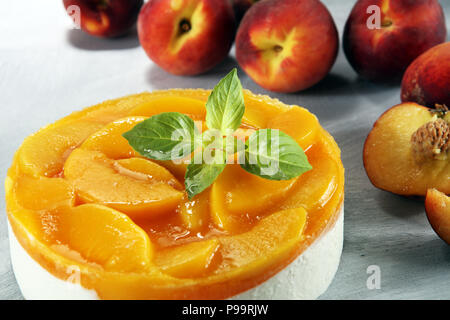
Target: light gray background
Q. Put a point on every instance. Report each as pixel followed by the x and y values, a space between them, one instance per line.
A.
pixel 47 71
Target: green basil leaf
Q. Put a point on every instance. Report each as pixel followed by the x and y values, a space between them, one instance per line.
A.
pixel 166 136
pixel 200 176
pixel 225 106
pixel 272 154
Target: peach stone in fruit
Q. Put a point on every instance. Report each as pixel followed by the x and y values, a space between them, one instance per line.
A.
pixel 437 205
pixel 407 151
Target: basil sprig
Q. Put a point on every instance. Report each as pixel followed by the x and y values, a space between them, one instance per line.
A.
pixel 268 153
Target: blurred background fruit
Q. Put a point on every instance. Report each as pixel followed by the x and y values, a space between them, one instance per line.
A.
pixel 240 7
pixel 407 29
pixel 186 37
pixel 287 45
pixel 106 18
pixel 427 79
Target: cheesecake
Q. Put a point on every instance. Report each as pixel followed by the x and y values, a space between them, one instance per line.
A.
pixel 91 218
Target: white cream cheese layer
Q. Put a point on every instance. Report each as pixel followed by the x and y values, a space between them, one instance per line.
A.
pixel 307 277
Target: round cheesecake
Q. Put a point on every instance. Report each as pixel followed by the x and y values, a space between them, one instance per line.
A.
pixel 92 219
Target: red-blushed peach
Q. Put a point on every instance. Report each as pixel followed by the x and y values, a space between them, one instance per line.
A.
pixel 106 18
pixel 186 37
pixel 427 79
pixel 406 29
pixel 437 206
pixel 287 45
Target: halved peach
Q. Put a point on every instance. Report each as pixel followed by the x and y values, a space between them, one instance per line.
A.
pixel 237 195
pixel 97 180
pixel 187 261
pixel 407 151
pixel 437 205
pixel 109 140
pixel 104 236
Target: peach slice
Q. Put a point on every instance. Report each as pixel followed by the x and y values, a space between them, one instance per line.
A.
pixel 106 237
pixel 187 261
pixel 144 169
pixel 97 179
pixel 109 139
pixel 406 151
pixel 44 193
pixel 271 240
pixel 315 187
pixel 44 153
pixel 289 121
pixel 238 195
pixel 437 206
pixel 195 212
pixel 196 109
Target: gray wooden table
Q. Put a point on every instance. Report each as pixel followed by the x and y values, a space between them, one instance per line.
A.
pixel 48 70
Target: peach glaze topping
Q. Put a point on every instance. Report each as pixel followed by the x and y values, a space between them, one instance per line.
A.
pixel 79 197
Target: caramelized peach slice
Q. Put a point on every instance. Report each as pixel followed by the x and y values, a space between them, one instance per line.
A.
pixel 44 193
pixel 259 110
pixel 187 261
pixel 194 108
pixel 109 139
pixel 299 123
pixel 97 179
pixel 396 163
pixel 315 187
pixel 44 152
pixel 144 169
pixel 271 240
pixel 437 205
pixel 195 212
pixel 106 237
pixel 40 224
pixel 237 195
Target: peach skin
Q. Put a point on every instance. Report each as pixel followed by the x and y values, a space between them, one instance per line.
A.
pixel 406 30
pixel 103 18
pixel 186 37
pixel 287 45
pixel 426 81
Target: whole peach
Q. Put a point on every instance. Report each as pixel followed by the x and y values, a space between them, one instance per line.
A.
pixel 186 37
pixel 105 18
pixel 287 45
pixel 406 29
pixel 427 79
